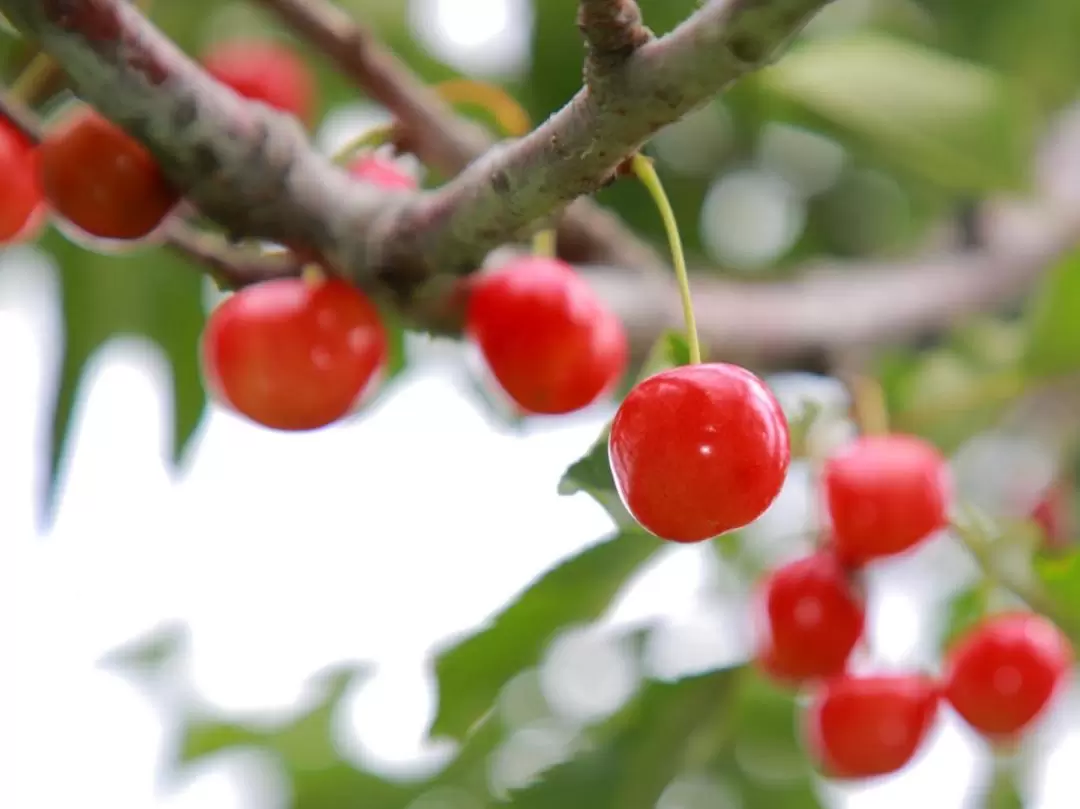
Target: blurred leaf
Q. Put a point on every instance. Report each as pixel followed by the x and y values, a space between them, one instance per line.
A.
pixel 591 474
pixel 150 293
pixel 472 673
pixel 320 778
pixel 150 653
pixel 1053 345
pixel 1060 576
pixel 764 760
pixel 956 123
pixel 644 749
pixel 964 610
pixel 7 28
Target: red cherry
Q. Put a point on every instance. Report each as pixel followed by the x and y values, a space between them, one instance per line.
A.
pixel 381 172
pixel 553 346
pixel 292 354
pixel 812 619
pixel 1001 675
pixel 264 71
pixel 885 494
pixel 699 450
pixel 102 180
pixel 1053 515
pixel 21 196
pixel 861 727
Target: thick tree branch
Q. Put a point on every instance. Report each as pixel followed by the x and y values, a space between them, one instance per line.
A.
pixel 250 169
pixel 442 139
pixel 580 147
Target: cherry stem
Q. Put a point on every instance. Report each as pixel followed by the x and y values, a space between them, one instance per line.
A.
pixel 543 243
pixel 371 139
pixel 33 78
pixel 977 533
pixel 644 170
pixel 871 409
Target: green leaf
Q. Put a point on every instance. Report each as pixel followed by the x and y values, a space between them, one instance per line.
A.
pixel 150 293
pixel 1060 577
pixel 7 28
pixel 764 760
pixel 320 778
pixel 150 653
pixel 472 673
pixel 591 474
pixel 957 124
pixel 965 609
pixel 644 749
pixel 1053 343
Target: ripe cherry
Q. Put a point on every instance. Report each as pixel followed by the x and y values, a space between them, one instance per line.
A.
pixel 264 71
pixel 699 450
pixel 812 618
pixel 294 354
pixel 381 172
pixel 862 727
pixel 21 197
pixel 1054 515
pixel 552 345
pixel 885 494
pixel 1002 674
pixel 102 180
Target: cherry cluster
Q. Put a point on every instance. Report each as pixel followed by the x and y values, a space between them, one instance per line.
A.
pixel 885 495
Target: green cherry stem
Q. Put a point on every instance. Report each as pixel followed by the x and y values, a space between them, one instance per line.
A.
pixel 543 243
pixel 644 170
pixel 371 139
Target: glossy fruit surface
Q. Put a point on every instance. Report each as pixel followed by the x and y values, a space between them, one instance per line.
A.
pixel 20 192
pixel 550 342
pixel 102 180
pixel 811 619
pixel 699 450
pixel 381 172
pixel 294 354
pixel 1002 674
pixel 264 71
pixel 861 727
pixel 885 494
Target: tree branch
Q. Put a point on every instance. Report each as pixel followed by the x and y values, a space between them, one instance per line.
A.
pixel 443 139
pixel 250 169
pixel 612 29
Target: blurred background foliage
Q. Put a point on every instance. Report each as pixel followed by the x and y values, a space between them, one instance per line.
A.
pixel 886 122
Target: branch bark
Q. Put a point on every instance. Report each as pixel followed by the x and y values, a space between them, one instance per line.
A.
pixel 442 139
pixel 612 29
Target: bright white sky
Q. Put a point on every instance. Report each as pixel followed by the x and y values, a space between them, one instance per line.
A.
pixel 285 553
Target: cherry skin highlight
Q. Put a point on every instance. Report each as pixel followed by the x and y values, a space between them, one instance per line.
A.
pixel 264 71
pixel 885 495
pixel 862 727
pixel 552 345
pixel 20 193
pixel 812 619
pixel 1002 674
pixel 102 180
pixel 382 172
pixel 699 450
pixel 292 354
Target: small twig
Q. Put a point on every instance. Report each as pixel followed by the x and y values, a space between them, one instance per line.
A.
pixel 612 29
pixel 20 116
